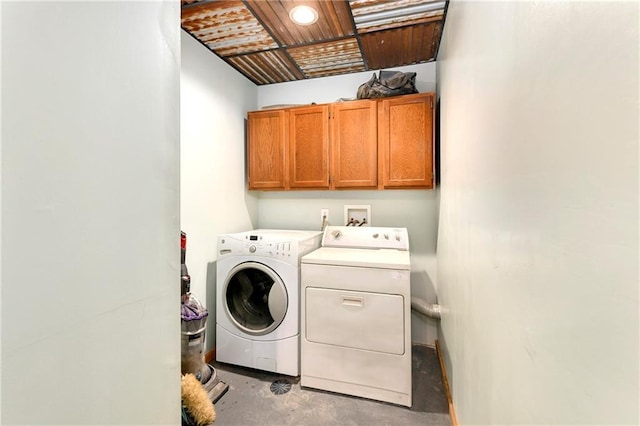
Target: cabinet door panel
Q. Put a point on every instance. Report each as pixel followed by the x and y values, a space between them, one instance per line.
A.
pixel 309 147
pixel 406 141
pixel 354 148
pixel 267 150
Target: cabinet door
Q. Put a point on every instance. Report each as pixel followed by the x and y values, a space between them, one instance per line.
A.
pixel 405 137
pixel 309 147
pixel 267 148
pixel 354 148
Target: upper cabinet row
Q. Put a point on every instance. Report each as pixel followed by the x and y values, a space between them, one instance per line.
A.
pixel 365 144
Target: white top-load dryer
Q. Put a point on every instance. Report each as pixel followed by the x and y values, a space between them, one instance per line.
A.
pixel 356 314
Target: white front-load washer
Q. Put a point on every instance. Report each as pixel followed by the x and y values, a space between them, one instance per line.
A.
pixel 258 298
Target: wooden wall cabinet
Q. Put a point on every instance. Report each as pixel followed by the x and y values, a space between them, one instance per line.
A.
pixel 309 147
pixel 333 146
pixel 267 150
pixel 366 144
pixel 405 141
pixel 354 145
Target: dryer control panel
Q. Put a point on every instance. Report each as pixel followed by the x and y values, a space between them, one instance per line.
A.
pixel 368 238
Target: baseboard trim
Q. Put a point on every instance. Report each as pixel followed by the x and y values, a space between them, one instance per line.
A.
pixel 447 389
pixel 210 356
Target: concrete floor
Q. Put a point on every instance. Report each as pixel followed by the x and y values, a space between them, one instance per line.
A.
pixel 250 401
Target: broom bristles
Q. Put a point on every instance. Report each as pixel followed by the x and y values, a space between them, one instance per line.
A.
pixel 196 400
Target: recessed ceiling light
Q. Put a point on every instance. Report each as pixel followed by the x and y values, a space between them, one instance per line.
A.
pixel 303 15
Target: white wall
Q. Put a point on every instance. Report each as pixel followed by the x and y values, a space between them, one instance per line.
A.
pixel 214 100
pixel 332 89
pixel 538 238
pixel 415 209
pixel 90 213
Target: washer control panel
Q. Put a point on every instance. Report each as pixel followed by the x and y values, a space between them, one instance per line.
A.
pixel 286 245
pixel 256 244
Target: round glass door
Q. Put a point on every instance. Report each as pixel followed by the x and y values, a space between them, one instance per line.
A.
pixel 256 298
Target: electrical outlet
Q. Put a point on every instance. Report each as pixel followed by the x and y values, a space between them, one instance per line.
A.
pixel 324 214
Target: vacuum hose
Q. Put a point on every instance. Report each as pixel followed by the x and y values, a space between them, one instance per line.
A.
pixel 426 309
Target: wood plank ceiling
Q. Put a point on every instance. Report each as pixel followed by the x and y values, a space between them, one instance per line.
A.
pixel 258 39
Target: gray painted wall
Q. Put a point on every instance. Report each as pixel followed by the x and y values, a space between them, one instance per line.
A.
pixel 414 209
pixel 538 238
pixel 90 213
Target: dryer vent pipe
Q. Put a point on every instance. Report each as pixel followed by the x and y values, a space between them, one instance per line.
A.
pixel 427 309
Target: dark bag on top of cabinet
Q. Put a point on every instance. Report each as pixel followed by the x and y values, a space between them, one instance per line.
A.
pixel 389 83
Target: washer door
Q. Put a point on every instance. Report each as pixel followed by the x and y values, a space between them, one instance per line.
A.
pixel 256 298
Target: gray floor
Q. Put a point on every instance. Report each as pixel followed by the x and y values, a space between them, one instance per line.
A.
pixel 250 401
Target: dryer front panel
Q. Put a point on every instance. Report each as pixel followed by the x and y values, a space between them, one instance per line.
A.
pixel 255 298
pixel 355 319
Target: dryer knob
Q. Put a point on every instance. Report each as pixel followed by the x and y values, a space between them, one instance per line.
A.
pixel 252 249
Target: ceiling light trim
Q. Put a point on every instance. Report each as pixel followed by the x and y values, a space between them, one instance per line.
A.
pixel 303 15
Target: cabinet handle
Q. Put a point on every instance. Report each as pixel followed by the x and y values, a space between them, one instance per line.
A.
pixel 353 301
